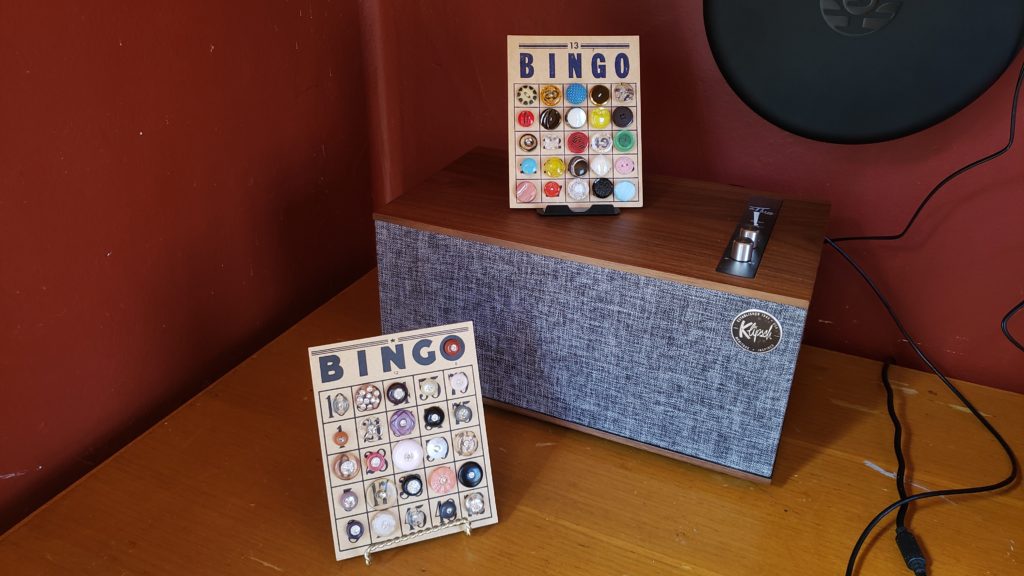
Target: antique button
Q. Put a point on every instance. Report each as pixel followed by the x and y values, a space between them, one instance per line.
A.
pixel 578 166
pixel 372 431
pixel 429 388
pixel 526 95
pixel 407 455
pixel 602 188
pixel 398 393
pixel 340 437
pixel 433 417
pixel 442 480
pixel 466 443
pixel 601 142
pixel 624 141
pixel 625 190
pixel 552 189
pixel 624 165
pixel 576 118
pixel 471 474
pixel 624 93
pixel 367 397
pixel 474 504
pixel 550 95
pixel 338 405
pixel 600 165
pixel 575 93
pixel 402 423
pixel 345 466
pixel 354 530
pixel 525 118
pixel 599 118
pixel 412 485
pixel 384 523
pixel 437 449
pixel 447 510
pixel 528 142
pixel 550 118
pixel 349 500
pixel 375 461
pixel 451 349
pixel 459 382
pixel 554 167
pixel 526 191
pixel 381 494
pixel 577 142
pixel 622 116
pixel 577 190
pixel 462 412
pixel 415 518
pixel 552 142
pixel 599 94
pixel 528 166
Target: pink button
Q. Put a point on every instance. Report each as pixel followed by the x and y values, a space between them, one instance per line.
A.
pixel 526 191
pixel 625 165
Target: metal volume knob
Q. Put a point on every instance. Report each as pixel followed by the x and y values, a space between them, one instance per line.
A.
pixel 751 232
pixel 742 250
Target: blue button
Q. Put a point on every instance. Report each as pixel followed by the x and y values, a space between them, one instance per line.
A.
pixel 575 93
pixel 624 191
pixel 528 166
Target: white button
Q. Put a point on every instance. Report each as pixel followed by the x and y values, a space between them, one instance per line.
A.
pixel 407 455
pixel 437 448
pixel 600 166
pixel 384 523
pixel 578 190
pixel 576 118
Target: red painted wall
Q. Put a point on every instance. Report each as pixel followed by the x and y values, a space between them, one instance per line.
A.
pixel 180 181
pixel 951 280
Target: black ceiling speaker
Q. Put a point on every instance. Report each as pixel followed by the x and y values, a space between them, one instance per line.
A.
pixel 857 71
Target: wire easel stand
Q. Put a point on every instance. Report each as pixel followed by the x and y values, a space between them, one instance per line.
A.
pixel 460 523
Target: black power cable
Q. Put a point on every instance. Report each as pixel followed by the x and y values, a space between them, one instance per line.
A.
pixel 905 540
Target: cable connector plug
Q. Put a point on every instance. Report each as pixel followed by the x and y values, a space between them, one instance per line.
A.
pixel 911 551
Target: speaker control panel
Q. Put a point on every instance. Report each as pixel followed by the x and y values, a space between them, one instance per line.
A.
pixel 749 240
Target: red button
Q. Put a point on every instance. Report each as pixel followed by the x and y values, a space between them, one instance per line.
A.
pixel 552 189
pixel 577 142
pixel 525 118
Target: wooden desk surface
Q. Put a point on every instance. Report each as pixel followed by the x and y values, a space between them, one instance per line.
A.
pixel 231 483
pixel 679 235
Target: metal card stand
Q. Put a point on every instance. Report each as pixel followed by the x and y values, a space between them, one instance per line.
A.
pixel 563 210
pixel 463 523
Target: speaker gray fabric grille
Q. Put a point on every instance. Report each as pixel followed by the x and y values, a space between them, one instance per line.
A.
pixel 638 357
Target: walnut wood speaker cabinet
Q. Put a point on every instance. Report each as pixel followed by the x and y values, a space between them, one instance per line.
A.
pixel 615 325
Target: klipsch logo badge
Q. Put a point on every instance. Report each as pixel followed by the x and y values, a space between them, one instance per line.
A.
pixel 858 17
pixel 756 331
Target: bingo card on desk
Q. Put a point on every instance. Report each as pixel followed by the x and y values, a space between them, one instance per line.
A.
pixel 402 436
pixel 574 121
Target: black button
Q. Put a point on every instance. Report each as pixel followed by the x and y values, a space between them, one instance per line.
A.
pixel 602 188
pixel 398 393
pixel 622 116
pixel 599 94
pixel 447 510
pixel 470 474
pixel 550 118
pixel 578 166
pixel 434 416
pixel 412 485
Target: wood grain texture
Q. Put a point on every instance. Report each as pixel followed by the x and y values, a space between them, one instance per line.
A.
pixel 679 235
pixel 231 483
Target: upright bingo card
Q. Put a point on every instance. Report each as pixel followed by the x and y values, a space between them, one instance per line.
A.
pixel 403 439
pixel 574 121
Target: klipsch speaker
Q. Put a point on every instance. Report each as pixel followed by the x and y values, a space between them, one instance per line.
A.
pixel 636 327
